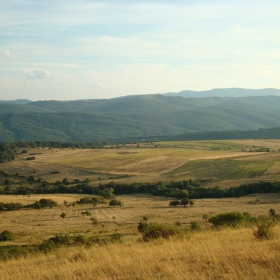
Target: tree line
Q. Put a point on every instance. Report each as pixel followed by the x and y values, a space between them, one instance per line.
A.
pixel 8 152
pixel 182 189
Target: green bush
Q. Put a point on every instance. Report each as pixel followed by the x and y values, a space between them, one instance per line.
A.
pixel 81 239
pixel 142 226
pixel 116 237
pixel 114 202
pixel 265 225
pixel 60 239
pixel 174 203
pixel 87 213
pixel 94 221
pixel 47 246
pixel 63 215
pixel 194 226
pixel 8 252
pixel 230 219
pixel 264 230
pixel 6 235
pixel 155 231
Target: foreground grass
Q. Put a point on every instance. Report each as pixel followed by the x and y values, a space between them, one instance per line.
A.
pixel 226 254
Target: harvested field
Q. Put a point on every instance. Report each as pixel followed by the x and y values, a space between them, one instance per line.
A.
pixel 35 225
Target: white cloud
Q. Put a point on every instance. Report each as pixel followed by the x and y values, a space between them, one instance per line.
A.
pixel 96 85
pixel 9 55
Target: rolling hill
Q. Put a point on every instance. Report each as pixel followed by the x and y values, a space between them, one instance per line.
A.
pixel 138 117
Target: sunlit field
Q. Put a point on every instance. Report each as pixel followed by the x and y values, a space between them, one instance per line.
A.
pixel 223 163
pixel 226 254
pixel 206 254
pixel 34 225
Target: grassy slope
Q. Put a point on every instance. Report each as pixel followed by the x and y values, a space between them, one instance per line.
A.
pixel 226 254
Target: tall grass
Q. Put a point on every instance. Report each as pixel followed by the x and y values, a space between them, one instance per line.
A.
pixel 226 254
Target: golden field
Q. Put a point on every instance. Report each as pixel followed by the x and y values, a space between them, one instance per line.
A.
pixel 226 254
pixel 209 254
pixel 32 226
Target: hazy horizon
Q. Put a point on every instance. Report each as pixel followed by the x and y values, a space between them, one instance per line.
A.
pixel 73 50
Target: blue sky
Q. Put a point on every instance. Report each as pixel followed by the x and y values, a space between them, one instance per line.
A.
pixel 68 50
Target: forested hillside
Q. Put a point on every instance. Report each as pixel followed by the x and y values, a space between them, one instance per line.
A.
pixel 135 117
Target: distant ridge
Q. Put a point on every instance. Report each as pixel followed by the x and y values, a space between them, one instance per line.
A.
pixel 225 92
pixel 138 116
pixel 18 101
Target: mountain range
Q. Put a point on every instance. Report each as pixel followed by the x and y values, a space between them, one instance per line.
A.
pixel 140 116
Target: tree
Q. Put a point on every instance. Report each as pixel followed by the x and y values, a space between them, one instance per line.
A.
pixel 174 203
pixel 107 193
pixel 185 201
pixel 114 202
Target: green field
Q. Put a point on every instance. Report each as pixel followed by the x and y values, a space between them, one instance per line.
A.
pixel 227 161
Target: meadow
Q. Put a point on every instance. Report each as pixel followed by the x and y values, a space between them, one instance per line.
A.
pixel 224 163
pixel 208 254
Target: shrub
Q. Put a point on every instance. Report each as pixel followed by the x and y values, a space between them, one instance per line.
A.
pixel 47 246
pixel 94 221
pixel 174 203
pixel 81 239
pixel 155 231
pixel 90 200
pixel 116 237
pixel 8 252
pixel 145 218
pixel 30 158
pixel 231 219
pixel 87 213
pixel 6 235
pixel 195 226
pixel 205 217
pixel 63 215
pixel 264 228
pixel 42 203
pixel 114 202
pixel 60 239
pixel 142 226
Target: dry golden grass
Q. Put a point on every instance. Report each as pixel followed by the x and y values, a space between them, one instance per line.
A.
pixel 32 226
pixel 226 254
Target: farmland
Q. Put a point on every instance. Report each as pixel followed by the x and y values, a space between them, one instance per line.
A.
pixel 33 226
pixel 210 163
pixel 223 163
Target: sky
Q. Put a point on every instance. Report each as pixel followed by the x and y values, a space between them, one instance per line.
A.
pixel 82 49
